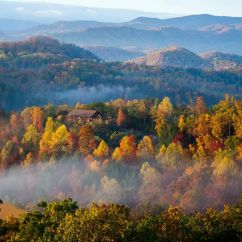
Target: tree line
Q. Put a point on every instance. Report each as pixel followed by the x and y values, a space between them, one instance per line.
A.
pixel 65 221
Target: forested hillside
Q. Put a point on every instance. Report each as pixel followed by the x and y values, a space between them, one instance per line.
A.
pixel 183 58
pixel 140 152
pixel 41 70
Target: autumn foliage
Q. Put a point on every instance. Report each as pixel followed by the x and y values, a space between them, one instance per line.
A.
pixel 142 151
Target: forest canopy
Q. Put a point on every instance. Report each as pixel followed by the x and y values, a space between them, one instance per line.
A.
pixel 138 152
pixel 65 221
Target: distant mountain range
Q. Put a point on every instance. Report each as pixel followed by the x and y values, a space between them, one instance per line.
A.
pixel 194 22
pixel 198 33
pixel 183 58
pixel 113 41
pixel 143 39
pixel 203 22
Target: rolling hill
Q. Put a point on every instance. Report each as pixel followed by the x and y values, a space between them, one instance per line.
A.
pixel 172 57
pixel 183 58
pixel 44 45
pixel 221 61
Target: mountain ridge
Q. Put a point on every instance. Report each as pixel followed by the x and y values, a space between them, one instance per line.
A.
pixel 221 34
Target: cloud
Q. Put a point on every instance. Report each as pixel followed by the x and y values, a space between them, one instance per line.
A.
pixel 91 12
pixel 20 9
pixel 56 12
pixel 47 13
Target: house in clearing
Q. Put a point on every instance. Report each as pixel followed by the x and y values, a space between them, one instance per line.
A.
pixel 83 115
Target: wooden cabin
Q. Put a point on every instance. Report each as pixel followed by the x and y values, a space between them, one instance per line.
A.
pixel 83 115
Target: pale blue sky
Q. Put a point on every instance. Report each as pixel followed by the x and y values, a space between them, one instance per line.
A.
pixel 217 7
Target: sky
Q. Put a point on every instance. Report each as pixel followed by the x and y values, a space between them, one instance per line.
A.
pixel 216 7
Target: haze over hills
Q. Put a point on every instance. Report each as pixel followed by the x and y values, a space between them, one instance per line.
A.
pixel 114 54
pixel 101 30
pixel 220 34
pixel 139 39
pixel 183 58
pixel 65 27
pixel 14 25
pixel 193 22
pixel 196 22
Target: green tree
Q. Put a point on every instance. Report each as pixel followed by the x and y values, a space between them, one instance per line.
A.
pixel 104 223
pixel 164 120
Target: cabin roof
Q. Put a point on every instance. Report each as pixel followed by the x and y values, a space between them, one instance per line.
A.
pixel 83 113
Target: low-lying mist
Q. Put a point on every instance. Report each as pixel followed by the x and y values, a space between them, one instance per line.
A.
pixel 99 93
pixel 190 187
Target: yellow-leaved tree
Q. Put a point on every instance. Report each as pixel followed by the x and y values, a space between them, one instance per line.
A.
pixel 146 149
pixel 44 145
pixel 60 140
pixel 127 150
pixel 117 154
pixel 103 151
